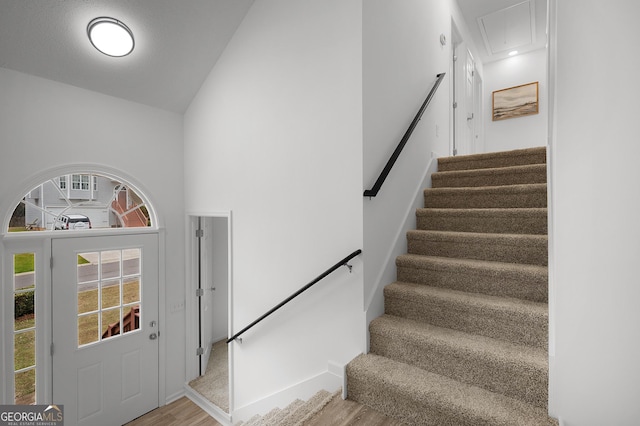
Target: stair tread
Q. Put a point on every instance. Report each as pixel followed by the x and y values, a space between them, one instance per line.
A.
pixel 486 220
pixel 515 248
pixel 480 212
pixel 498 189
pixel 498 303
pixel 482 345
pixel 522 281
pixel 500 196
pixel 495 176
pixel 478 237
pixel 471 265
pixel 524 168
pixel 404 391
pixel 512 369
pixel 494 159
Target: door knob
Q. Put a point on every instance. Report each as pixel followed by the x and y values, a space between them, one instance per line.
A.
pixel 153 336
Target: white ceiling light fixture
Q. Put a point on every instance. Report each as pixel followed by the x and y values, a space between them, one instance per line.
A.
pixel 110 36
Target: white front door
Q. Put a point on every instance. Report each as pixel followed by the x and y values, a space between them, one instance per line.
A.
pixel 105 330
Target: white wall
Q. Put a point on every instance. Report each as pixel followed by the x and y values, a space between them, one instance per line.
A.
pixel 595 373
pixel 521 132
pixel 275 136
pixel 45 125
pixel 401 56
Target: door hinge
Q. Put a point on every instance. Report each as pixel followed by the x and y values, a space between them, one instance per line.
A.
pixel 200 351
pixel 51 349
pixel 199 292
pixel 455 152
pixel 199 233
pixel 455 105
pixel 51 262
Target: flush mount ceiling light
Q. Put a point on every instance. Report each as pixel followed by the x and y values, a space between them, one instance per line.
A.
pixel 110 36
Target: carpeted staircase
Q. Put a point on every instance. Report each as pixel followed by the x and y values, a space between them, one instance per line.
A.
pixel 463 340
pixel 295 414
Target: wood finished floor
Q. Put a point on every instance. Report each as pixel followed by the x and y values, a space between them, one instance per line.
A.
pixel 341 412
pixel 338 412
pixel 180 412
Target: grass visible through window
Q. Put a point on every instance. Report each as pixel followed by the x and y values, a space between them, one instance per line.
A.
pixel 23 355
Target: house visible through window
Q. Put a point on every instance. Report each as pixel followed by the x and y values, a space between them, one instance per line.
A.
pixel 93 201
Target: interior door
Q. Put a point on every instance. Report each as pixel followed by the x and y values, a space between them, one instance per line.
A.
pixel 105 332
pixel 469 94
pixel 464 117
pixel 205 284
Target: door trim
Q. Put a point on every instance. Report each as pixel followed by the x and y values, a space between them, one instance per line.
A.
pixel 42 243
pixel 192 331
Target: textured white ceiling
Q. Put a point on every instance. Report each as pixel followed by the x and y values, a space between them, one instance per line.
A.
pixel 177 44
pixel 507 24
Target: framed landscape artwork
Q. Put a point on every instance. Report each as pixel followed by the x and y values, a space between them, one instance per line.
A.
pixel 517 101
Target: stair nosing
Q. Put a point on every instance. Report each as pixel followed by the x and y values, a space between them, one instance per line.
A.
pixel 499 303
pixel 523 168
pixel 476 264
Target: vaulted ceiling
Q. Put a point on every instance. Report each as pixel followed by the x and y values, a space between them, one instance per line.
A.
pixel 177 42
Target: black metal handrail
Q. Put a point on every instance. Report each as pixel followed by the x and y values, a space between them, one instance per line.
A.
pixel 387 168
pixel 343 262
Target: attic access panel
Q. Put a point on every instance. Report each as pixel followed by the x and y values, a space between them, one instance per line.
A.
pixel 509 28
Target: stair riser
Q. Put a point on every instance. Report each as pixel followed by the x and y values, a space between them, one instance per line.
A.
pixel 516 223
pixel 526 249
pixel 516 158
pixel 418 409
pixel 526 382
pixel 446 180
pixel 533 287
pixel 406 408
pixel 512 326
pixel 481 199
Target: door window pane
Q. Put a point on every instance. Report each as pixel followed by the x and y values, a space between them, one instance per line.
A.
pixel 24 328
pixel 25 393
pixel 88 329
pixel 131 290
pixel 109 295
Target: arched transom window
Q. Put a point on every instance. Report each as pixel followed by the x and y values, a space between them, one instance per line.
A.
pixel 80 201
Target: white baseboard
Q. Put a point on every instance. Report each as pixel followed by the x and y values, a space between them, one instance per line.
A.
pixel 207 406
pixel 174 397
pixel 374 307
pixel 328 380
